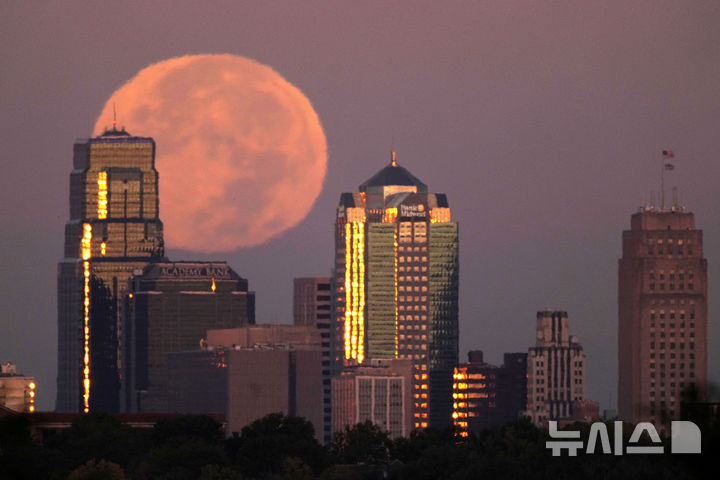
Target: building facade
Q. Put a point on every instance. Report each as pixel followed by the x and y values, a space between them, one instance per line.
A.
pixel 169 307
pixel 114 230
pixel 395 286
pixel 17 391
pixel 249 372
pixel 556 368
pixel 311 306
pixel 662 303
pixel 486 396
pixel 380 393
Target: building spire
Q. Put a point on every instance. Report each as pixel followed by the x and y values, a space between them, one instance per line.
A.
pixel 392 158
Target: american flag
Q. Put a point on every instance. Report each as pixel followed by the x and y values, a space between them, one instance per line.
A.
pixel 667 154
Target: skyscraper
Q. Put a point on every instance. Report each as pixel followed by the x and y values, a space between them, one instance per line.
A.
pixel 114 230
pixel 556 368
pixel 396 285
pixel 662 300
pixel 169 307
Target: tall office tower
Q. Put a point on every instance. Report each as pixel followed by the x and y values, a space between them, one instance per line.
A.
pixel 114 230
pixel 311 306
pixel 169 307
pixel 396 285
pixel 662 300
pixel 556 370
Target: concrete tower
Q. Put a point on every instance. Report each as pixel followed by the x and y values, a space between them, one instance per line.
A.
pixel 662 300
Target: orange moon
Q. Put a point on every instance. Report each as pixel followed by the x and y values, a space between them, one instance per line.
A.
pixel 241 153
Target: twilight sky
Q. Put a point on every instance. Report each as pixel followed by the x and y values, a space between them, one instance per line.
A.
pixel 542 121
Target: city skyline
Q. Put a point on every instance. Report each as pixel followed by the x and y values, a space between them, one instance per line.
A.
pixel 543 124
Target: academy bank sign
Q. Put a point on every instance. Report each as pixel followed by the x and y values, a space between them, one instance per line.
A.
pixel 195 271
pixel 685 438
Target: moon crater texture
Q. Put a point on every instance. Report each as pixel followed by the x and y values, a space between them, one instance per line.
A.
pixel 241 153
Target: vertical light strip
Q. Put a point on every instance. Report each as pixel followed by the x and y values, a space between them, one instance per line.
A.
pixel 460 399
pixel 86 254
pixel 395 256
pixel 102 195
pixel 348 270
pixel 354 309
pixel 361 291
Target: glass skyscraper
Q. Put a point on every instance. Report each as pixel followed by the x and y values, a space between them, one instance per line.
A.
pixel 395 286
pixel 114 231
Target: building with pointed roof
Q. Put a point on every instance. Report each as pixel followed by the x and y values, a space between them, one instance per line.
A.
pixel 114 230
pixel 395 286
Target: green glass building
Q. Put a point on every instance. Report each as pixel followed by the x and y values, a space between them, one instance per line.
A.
pixel 395 286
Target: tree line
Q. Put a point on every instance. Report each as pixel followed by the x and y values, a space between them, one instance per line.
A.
pixel 193 447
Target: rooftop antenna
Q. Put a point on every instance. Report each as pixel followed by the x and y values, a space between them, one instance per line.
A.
pixel 392 152
pixel 114 119
pixel 667 155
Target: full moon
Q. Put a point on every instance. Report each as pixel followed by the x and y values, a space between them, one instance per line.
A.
pixel 241 153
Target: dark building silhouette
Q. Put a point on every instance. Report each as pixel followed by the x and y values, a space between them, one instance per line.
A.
pixel 249 372
pixel 486 396
pixel 168 308
pixel 662 300
pixel 311 307
pixel 114 230
pixel 396 285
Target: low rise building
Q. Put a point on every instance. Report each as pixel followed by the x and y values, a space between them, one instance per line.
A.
pixel 17 391
pixel 380 392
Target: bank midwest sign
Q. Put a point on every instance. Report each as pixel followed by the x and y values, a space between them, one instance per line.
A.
pixel 214 271
pixel 685 438
pixel 412 210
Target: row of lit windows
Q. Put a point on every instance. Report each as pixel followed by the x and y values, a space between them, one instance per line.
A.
pixel 661 314
pixel 672 374
pixel 671 301
pixel 669 250
pixel 404 249
pixel 416 258
pixel 420 326
pixel 672 334
pixel 409 278
pixel 671 275
pixel 672 384
pixel 672 355
pixel 672 365
pixel 416 308
pixel 415 288
pixel 681 286
pixel 413 337
pixel 417 298
pixel 680 345
pixel 416 268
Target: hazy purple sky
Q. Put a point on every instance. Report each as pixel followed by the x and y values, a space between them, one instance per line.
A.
pixel 542 121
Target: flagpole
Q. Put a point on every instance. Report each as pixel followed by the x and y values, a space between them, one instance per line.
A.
pixel 662 182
